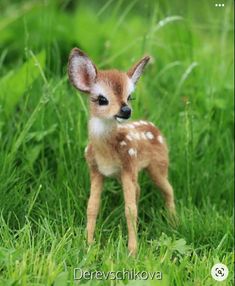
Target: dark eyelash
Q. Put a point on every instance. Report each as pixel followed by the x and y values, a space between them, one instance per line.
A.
pixel 102 100
pixel 130 98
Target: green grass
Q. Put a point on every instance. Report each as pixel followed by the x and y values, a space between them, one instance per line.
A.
pixel 187 92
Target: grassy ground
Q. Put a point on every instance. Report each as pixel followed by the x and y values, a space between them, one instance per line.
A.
pixel 187 92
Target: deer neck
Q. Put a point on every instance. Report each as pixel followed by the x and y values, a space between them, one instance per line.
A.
pixel 101 130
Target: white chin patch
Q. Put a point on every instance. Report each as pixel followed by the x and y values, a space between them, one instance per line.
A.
pixel 100 127
pixel 120 120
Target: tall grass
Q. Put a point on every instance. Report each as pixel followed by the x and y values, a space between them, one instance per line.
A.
pixel 187 91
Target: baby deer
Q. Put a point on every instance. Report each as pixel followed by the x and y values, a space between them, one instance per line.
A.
pixel 117 148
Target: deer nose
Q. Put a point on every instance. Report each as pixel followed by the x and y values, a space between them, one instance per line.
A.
pixel 125 111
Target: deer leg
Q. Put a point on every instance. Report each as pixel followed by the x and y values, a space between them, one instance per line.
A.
pixel 137 194
pixel 129 189
pixel 160 179
pixel 93 203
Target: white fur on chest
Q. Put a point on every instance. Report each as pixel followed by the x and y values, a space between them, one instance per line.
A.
pixel 100 127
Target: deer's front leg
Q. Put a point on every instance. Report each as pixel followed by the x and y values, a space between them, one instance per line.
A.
pixel 93 202
pixel 129 189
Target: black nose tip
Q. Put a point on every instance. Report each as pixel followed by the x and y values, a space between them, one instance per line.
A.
pixel 125 111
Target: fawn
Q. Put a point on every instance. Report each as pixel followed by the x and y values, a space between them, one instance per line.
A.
pixel 117 148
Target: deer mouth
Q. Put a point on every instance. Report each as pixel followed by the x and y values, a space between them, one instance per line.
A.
pixel 121 119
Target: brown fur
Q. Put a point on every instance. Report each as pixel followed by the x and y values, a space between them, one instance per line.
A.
pixel 120 150
pixel 115 79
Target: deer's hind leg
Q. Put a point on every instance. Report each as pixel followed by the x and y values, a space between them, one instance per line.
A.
pixel 159 174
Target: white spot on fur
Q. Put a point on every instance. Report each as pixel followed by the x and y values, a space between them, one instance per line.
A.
pixel 149 135
pixel 130 126
pixel 132 152
pixel 128 137
pixel 137 123
pixel 160 139
pixel 143 122
pixel 135 135
pixel 132 134
pixel 100 127
pixel 86 149
pixel 123 143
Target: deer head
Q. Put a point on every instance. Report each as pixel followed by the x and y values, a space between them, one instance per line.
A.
pixel 109 90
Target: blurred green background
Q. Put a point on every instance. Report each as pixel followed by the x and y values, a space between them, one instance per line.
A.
pixel 187 91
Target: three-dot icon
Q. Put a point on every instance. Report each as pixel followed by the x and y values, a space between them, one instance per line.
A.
pixel 219 5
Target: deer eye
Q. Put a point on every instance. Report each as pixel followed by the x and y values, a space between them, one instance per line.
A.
pixel 102 100
pixel 130 98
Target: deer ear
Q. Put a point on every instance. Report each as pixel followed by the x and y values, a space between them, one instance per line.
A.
pixel 135 72
pixel 81 71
